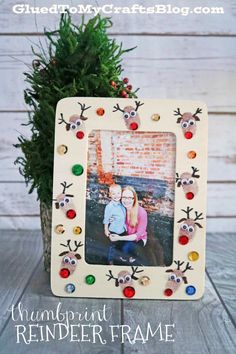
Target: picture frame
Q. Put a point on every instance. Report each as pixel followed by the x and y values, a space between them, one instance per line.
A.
pixel 175 132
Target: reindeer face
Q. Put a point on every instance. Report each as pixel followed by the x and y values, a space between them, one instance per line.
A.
pixel 188 122
pixel 131 118
pixel 124 279
pixel 130 115
pixel 64 202
pixel 187 228
pixel 188 183
pixel 69 261
pixel 75 123
pixel 175 278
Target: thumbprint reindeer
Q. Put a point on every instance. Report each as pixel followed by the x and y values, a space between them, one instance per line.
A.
pixel 188 122
pixel 130 115
pixel 76 122
pixel 70 259
pixel 124 278
pixel 188 226
pixel 176 277
pixel 188 182
pixel 63 201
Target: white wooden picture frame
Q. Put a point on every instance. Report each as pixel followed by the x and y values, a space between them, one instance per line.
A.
pixel 78 120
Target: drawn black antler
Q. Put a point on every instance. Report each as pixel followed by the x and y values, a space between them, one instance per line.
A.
pixel 188 267
pixel 117 108
pixel 198 216
pixel 135 271
pixel 65 186
pixel 62 120
pixel 138 104
pixel 77 245
pixel 83 108
pixel 194 172
pixel 199 110
pixel 187 212
pixel 179 264
pixel 111 276
pixel 67 245
pixel 178 113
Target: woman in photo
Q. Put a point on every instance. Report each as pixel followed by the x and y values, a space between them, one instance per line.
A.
pixel 136 224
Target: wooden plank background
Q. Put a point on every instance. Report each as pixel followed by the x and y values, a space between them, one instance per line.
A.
pixel 206 326
pixel 201 25
pixel 187 57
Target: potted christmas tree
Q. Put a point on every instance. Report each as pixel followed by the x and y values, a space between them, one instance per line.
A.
pixel 78 61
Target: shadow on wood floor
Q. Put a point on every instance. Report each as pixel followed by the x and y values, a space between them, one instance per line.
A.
pixel 206 326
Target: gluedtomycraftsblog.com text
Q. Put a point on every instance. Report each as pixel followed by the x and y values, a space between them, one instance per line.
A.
pixel 83 326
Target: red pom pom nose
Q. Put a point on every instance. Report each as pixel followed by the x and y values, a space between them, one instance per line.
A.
pixel 183 240
pixel 64 273
pixel 79 135
pixel 133 126
pixel 168 292
pixel 188 135
pixel 71 214
pixel 189 195
pixel 129 291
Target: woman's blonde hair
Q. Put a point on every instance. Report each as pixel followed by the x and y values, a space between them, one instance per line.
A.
pixel 132 214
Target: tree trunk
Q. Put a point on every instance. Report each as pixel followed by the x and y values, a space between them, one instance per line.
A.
pixel 46 222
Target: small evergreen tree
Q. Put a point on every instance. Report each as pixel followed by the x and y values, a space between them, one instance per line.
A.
pixel 79 61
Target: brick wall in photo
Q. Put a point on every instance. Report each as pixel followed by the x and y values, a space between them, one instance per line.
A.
pixel 144 160
pixel 136 154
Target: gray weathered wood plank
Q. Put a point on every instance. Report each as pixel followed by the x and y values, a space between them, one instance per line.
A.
pixel 20 222
pixel 220 199
pixel 20 253
pixel 221 267
pixel 38 297
pixel 212 24
pixel 164 67
pixel 201 327
pixel 17 201
pixel 218 224
pixel 221 157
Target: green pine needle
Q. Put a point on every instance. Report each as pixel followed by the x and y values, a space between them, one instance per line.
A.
pixel 80 61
